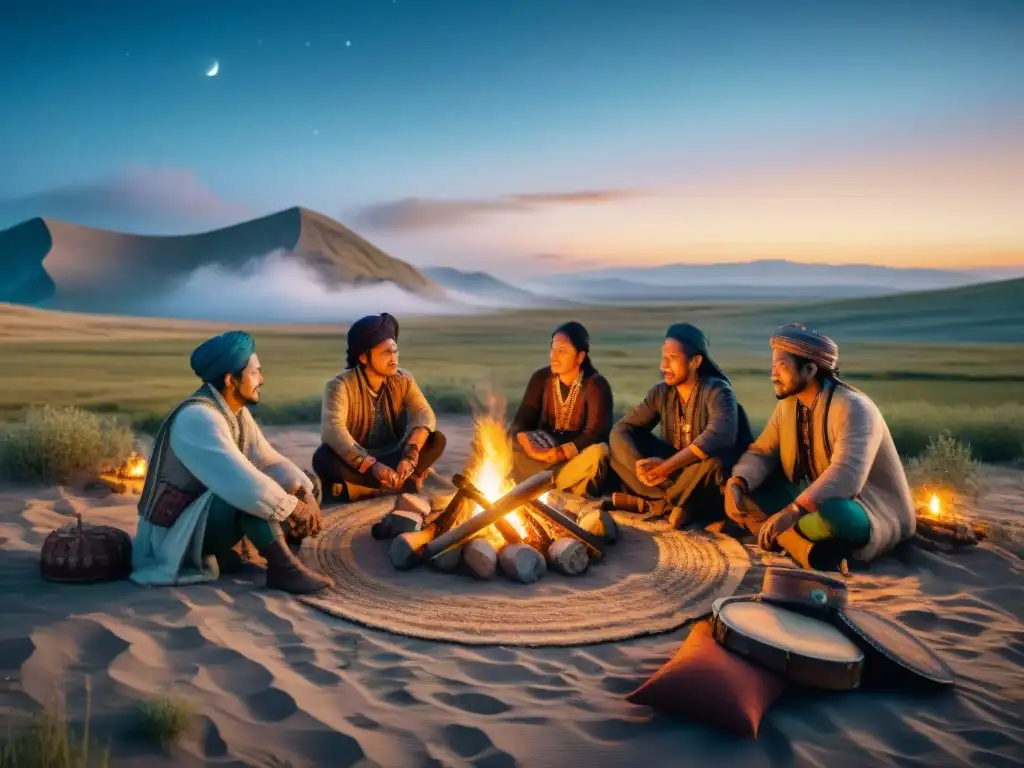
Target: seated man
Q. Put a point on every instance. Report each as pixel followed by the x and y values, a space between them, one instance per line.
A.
pixel 703 431
pixel 564 417
pixel 213 479
pixel 841 478
pixel 379 432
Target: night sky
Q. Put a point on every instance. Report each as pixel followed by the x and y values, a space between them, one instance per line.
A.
pixel 568 133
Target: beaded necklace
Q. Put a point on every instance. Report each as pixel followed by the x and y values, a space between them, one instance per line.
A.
pixel 564 407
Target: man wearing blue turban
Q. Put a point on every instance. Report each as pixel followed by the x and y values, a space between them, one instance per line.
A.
pixel 379 432
pixel 214 479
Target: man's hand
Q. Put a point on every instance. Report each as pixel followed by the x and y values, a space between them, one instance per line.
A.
pixel 777 524
pixel 306 519
pixel 735 500
pixel 385 475
pixel 404 471
pixel 650 470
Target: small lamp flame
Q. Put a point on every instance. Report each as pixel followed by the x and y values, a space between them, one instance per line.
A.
pixel 933 506
pixel 134 467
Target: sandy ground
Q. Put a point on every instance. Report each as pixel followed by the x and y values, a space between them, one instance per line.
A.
pixel 277 682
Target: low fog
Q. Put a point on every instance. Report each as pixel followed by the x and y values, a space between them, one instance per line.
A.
pixel 281 289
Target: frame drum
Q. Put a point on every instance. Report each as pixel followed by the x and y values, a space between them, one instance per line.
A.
pixel 803 590
pixel 803 649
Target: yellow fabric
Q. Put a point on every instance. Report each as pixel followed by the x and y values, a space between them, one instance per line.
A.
pixel 576 473
pixel 815 527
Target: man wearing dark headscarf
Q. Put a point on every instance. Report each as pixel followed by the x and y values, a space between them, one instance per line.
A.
pixel 703 431
pixel 379 432
pixel 563 420
pixel 823 480
pixel 214 479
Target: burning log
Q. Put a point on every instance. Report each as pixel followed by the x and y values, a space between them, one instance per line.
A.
pixel 505 528
pixel 540 539
pixel 452 512
pixel 521 494
pixel 522 563
pixel 406 550
pixel 481 558
pixel 571 528
pixel 568 556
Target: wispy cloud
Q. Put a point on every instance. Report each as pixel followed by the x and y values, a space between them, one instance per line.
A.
pixel 414 213
pixel 139 197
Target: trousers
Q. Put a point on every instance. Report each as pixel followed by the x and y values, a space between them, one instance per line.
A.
pixel 582 475
pixel 696 488
pixel 331 468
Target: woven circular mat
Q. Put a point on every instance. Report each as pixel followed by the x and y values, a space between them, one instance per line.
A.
pixel 652 580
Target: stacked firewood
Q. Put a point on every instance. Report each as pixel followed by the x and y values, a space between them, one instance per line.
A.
pixel 485 542
pixel 946 531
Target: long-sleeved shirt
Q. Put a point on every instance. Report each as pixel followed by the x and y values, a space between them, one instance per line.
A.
pixel 713 419
pixel 589 423
pixel 853 456
pixel 252 477
pixel 253 482
pixel 349 408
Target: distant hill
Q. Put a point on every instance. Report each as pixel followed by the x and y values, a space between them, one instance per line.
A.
pixel 986 312
pixel 615 289
pixel 766 275
pixel 70 266
pixel 484 285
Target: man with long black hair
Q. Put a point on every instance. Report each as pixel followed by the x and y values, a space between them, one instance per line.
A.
pixel 564 417
pixel 703 431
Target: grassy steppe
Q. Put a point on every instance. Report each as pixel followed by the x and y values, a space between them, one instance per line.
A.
pixel 941 360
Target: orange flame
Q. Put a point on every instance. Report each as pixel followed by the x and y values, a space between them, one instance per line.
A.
pixel 492 466
pixel 134 466
pixel 933 506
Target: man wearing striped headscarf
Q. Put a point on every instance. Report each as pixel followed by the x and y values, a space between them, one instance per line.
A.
pixel 823 481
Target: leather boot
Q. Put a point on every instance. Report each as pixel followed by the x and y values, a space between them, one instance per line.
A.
pixel 244 554
pixel 285 572
pixel 813 556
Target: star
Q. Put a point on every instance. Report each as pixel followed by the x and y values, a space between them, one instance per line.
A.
pixel 259 41
pixel 308 43
pixel 316 131
pixel 348 43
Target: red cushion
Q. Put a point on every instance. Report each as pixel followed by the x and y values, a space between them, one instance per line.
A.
pixel 704 682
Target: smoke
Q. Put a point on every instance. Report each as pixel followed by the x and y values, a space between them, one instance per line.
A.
pixel 281 289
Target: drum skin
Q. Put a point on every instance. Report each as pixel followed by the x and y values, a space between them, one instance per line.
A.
pixel 816 592
pixel 837 668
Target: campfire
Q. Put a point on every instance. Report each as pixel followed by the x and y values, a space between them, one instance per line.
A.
pixel 492 524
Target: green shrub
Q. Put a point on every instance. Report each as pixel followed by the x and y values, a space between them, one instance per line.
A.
pixel 55 444
pixel 945 463
pixel 166 718
pixel 450 396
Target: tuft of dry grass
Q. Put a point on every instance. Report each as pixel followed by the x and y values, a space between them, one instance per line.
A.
pixel 52 445
pixel 166 719
pixel 50 742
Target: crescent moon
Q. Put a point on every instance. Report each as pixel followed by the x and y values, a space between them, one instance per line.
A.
pixel 212 71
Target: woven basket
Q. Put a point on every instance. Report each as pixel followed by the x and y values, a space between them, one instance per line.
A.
pixel 83 554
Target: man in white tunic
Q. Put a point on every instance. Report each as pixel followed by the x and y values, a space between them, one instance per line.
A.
pixel 824 474
pixel 213 478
